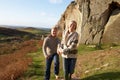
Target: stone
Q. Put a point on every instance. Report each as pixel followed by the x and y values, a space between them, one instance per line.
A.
pixel 93 19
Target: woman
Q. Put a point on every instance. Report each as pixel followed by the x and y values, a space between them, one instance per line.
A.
pixel 68 49
pixel 50 52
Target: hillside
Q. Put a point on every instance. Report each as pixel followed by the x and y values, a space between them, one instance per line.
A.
pixel 92 64
pixel 14 64
pixel 99 64
pixel 41 31
pixel 21 33
pixel 13 32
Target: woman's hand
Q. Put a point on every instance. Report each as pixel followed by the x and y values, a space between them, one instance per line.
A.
pixel 60 50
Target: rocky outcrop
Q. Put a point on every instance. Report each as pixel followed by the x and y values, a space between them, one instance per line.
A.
pixel 98 20
pixel 112 28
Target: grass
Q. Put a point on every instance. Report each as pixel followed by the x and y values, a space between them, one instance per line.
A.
pixel 111 72
pixel 82 49
pixel 36 69
pixel 94 62
pixel 104 76
pixel 1 35
pixel 36 31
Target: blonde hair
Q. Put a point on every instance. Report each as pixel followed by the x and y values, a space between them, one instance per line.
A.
pixel 74 22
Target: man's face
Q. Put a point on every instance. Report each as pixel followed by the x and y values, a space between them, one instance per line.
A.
pixel 54 32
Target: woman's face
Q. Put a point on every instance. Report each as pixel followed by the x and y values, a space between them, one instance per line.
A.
pixel 72 27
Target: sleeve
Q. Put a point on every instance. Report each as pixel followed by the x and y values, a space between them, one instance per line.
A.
pixel 59 42
pixel 73 43
pixel 63 37
pixel 45 44
pixel 59 45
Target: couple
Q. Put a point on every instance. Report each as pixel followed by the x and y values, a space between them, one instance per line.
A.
pixel 52 47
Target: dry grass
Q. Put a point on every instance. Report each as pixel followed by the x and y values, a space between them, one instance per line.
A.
pixel 100 61
pixel 13 65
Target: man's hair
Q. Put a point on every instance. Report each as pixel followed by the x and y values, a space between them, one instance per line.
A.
pixel 55 27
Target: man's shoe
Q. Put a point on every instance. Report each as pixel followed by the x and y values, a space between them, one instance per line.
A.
pixel 57 77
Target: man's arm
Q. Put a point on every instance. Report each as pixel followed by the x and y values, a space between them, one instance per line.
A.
pixel 44 47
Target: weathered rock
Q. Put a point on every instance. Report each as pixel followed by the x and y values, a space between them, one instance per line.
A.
pixel 112 28
pixel 93 18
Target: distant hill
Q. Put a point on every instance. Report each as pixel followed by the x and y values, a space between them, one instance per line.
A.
pixel 33 30
pixel 41 31
pixel 13 32
pixel 24 27
pixel 22 33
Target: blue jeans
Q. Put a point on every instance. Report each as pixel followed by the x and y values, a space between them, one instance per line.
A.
pixel 68 67
pixel 52 57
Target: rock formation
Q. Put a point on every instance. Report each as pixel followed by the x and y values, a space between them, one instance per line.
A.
pixel 98 20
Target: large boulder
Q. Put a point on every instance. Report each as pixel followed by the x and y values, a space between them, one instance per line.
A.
pixel 93 19
pixel 112 29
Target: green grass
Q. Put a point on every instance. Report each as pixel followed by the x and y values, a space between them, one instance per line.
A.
pixel 104 76
pixel 36 31
pixel 37 69
pixel 3 36
pixel 82 49
pixel 111 72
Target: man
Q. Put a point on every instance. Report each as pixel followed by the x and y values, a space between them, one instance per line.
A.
pixel 50 45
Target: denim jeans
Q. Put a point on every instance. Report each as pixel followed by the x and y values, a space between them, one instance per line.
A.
pixel 52 57
pixel 68 67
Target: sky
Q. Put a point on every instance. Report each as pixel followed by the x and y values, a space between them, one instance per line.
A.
pixel 32 13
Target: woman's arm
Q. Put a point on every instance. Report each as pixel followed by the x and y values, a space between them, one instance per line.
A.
pixel 73 43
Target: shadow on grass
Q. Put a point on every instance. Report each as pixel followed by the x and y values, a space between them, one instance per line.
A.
pixel 104 76
pixel 76 79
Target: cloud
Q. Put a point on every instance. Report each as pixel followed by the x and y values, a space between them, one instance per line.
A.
pixel 55 1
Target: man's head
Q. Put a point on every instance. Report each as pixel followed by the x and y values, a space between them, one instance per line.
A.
pixel 54 31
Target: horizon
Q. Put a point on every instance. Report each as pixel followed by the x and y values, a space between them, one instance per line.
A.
pixel 21 26
pixel 45 13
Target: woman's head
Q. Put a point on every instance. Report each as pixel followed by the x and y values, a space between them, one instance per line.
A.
pixel 72 26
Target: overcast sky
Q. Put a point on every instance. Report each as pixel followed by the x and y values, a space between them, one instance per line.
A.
pixel 34 13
